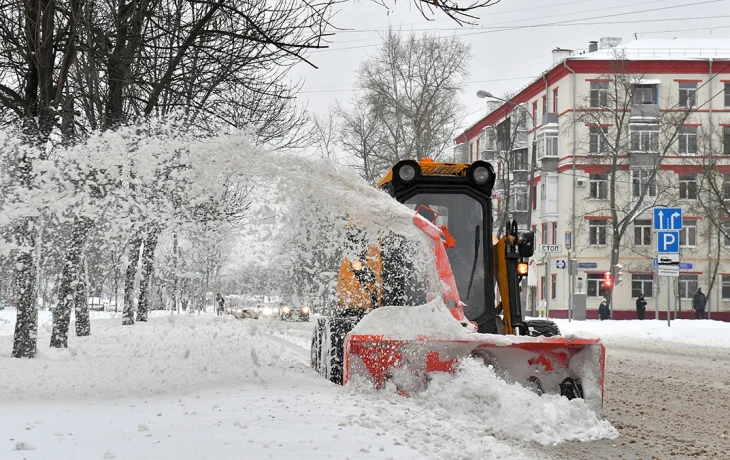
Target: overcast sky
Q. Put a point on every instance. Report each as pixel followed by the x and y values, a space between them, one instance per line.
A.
pixel 511 44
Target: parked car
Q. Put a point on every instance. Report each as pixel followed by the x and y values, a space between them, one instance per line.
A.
pixel 292 313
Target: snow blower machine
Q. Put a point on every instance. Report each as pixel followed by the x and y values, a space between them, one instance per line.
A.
pixel 400 317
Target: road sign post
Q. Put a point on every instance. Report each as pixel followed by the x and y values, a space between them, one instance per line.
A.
pixel 549 249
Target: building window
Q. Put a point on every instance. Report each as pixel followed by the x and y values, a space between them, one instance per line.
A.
pixel 598 231
pixel 521 198
pixel 599 93
pixel 644 137
pixel 727 94
pixel 598 186
pixel 543 233
pixel 534 197
pixel 555 100
pixel 594 283
pixel 726 233
pixel 688 140
pixel 687 286
pixel 519 160
pixel 471 151
pixel 555 232
pixel 544 105
pixel 726 188
pixel 642 284
pixel 726 140
pixel 687 187
pixel 725 287
pixel 597 139
pixel 643 182
pixel 553 285
pixel 542 288
pixel 688 94
pixel 547 144
pixel 534 113
pixel 642 232
pixel 688 234
pixel 477 147
pixel 644 94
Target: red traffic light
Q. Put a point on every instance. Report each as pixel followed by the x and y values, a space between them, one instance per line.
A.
pixel 607 280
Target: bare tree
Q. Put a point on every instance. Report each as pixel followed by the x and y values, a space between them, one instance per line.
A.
pixel 412 84
pixel 708 183
pixel 325 135
pixel 629 140
pixel 361 135
pixel 508 144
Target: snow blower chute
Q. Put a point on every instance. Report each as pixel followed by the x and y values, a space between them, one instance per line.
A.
pixel 467 298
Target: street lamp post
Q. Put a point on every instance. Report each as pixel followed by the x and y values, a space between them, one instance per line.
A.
pixel 533 157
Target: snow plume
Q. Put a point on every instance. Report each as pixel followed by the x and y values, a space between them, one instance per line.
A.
pixel 211 192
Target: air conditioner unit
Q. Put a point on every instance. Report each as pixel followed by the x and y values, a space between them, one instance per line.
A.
pixel 581 182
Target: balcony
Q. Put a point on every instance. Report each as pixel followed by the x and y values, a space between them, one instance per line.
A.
pixel 644 112
pixel 547 144
pixel 549 197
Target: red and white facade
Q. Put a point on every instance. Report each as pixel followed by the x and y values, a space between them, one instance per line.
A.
pixel 567 190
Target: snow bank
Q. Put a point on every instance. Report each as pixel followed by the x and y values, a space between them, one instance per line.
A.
pixel 682 331
pixel 515 411
pixel 429 320
pixel 474 408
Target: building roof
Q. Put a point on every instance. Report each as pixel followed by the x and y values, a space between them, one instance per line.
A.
pixel 688 49
pixel 666 49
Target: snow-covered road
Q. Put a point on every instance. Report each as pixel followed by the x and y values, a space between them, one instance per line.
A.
pixel 667 390
pixel 207 387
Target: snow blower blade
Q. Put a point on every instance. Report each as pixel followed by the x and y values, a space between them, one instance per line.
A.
pixel 570 367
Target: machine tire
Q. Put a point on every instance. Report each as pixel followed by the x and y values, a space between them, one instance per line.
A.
pixel 316 349
pixel 542 328
pixel 332 346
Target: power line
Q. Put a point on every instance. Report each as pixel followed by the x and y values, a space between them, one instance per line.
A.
pixel 323 88
pixel 565 23
pixel 500 25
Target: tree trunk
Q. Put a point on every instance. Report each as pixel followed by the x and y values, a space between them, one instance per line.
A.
pixel 148 258
pixel 70 279
pixel 174 272
pixel 81 305
pixel 26 325
pixel 133 258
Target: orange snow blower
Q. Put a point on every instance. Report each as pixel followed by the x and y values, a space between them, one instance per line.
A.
pixel 400 316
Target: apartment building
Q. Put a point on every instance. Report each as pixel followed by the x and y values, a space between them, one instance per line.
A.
pixel 601 138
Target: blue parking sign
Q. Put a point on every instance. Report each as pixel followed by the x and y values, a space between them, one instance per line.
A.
pixel 668 242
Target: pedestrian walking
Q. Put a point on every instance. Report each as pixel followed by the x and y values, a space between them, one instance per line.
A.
pixel 219 299
pixel 640 307
pixel 603 311
pixel 698 304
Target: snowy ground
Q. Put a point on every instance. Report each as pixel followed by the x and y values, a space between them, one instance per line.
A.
pixel 194 386
pixel 667 390
pixel 682 331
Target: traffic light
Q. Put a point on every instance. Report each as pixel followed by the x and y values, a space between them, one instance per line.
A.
pixel 618 273
pixel 607 280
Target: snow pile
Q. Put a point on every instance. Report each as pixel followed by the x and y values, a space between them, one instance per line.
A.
pixel 514 411
pixel 482 406
pixel 194 386
pixel 683 331
pixel 409 323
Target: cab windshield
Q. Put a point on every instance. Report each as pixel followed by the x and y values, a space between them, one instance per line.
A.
pixel 463 217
